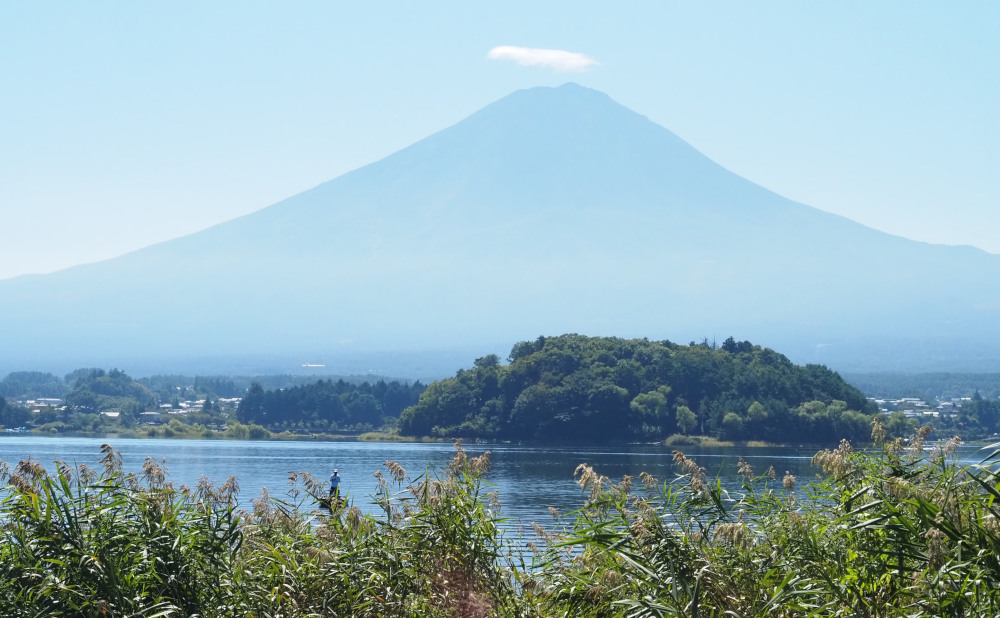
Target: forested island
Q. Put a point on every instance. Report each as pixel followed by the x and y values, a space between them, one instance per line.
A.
pixel 600 389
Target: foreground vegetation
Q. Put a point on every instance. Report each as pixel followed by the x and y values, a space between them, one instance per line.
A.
pixel 898 531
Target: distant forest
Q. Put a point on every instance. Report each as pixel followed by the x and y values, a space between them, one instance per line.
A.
pixel 927 386
pixel 36 384
pixel 96 400
pixel 328 405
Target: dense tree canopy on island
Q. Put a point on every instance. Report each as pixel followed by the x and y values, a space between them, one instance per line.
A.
pixel 600 389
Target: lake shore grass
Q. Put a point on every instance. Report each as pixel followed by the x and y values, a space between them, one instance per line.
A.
pixel 178 430
pixel 678 440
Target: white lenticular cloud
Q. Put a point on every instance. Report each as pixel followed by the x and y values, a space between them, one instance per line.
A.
pixel 556 59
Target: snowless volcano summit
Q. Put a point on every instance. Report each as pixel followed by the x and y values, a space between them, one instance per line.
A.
pixel 552 210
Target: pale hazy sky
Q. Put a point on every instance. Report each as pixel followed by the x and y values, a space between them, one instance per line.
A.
pixel 125 124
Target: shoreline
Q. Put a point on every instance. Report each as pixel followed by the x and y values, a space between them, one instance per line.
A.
pixel 672 443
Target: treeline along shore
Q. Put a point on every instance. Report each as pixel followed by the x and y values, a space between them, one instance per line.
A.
pixel 568 388
pixel 897 530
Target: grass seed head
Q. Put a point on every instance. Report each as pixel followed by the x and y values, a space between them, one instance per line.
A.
pixel 916 449
pixel 85 474
pixel 951 446
pixel 732 535
pixel 112 460
pixel 835 462
pixel 694 472
pixel 229 490
pixel 878 431
pixel 154 472
pixel 397 471
pixel 745 470
pixel 262 506
pixel 935 548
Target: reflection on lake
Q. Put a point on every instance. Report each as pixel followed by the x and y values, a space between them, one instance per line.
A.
pixel 529 478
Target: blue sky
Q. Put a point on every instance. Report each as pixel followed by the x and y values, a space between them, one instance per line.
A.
pixel 125 124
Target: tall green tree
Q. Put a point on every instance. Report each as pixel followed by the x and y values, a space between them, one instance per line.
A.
pixel 687 421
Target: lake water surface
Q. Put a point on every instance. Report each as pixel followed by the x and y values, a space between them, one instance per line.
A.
pixel 530 479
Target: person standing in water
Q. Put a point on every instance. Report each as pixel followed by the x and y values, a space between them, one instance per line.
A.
pixel 335 485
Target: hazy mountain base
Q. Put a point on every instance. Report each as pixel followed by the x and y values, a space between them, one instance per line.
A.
pixel 927 386
pixel 889 533
pixel 354 366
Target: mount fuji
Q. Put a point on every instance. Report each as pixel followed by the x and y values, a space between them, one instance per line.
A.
pixel 552 210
